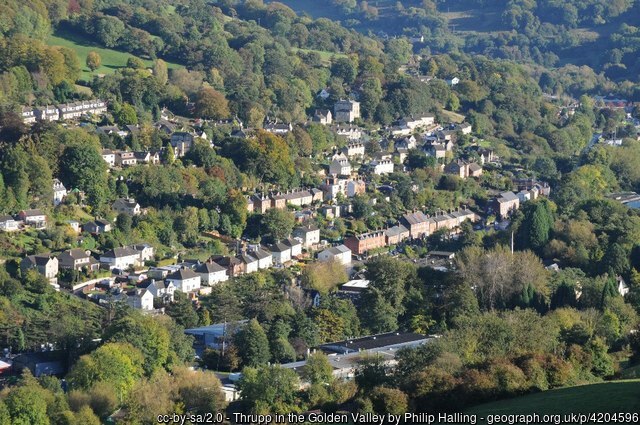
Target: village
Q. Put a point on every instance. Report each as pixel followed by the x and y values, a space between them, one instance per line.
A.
pixel 351 171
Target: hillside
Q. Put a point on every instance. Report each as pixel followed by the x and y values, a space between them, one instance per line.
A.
pixel 111 59
pixel 619 396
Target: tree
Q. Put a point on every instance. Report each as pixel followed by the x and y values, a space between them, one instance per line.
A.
pixel 324 276
pixel 537 225
pixel 212 104
pixel 94 61
pixel 118 364
pixel 389 401
pixel 318 370
pixel 277 224
pixel 126 115
pixel 181 310
pixel 145 333
pixel 26 406
pixel 160 71
pixel 269 389
pixel 135 63
pixel 82 167
pixel 253 344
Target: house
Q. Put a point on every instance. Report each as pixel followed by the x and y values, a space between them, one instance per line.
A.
pixel 339 253
pixel 77 259
pixel 475 169
pixel 261 203
pixel 623 288
pixel 298 197
pixel 181 142
pixel 125 158
pixel 159 289
pixel 406 143
pixel 412 123
pixel 109 157
pixel 381 166
pixel 47 113
pixel 354 149
pixel 281 253
pixel 185 280
pixel 165 126
pixel 294 245
pixel 145 250
pixel 27 114
pixel 147 157
pixel 322 116
pixel 35 218
pixel 250 263
pixel 8 224
pixel 323 94
pixel 278 128
pixel 396 234
pixel 340 165
pixel 417 223
pixel 112 129
pixel 278 200
pixel 437 150
pixel 78 109
pixel 355 187
pixel 354 288
pixel 127 206
pixel 59 192
pixel 346 110
pixel 452 81
pixel 506 203
pixel 139 299
pixel 97 227
pixel 333 186
pixel 45 264
pixel 309 234
pixel 120 258
pixel 349 132
pixel 211 273
pixel 464 128
pixel 265 259
pixel 363 243
pixel 42 363
pixel 233 265
pixel 457 168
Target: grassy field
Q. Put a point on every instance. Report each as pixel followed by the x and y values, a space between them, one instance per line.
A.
pixel 111 59
pixel 324 56
pixel 617 396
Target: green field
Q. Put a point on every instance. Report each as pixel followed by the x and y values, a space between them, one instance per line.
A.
pixel 617 396
pixel 111 59
pixel 324 56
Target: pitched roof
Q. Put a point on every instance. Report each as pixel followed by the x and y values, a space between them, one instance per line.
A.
pixel 75 254
pixel 209 267
pixel 120 252
pixel 182 274
pixel 415 218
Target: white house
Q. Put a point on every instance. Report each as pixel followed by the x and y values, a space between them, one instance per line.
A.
pixel 265 259
pixel 354 149
pixel 140 299
pixel 59 192
pixel 452 81
pixel 383 166
pixel 211 273
pixel 338 253
pixel 295 246
pixel 120 258
pixel 109 157
pixel 310 235
pixel 126 206
pixel 185 280
pixel 281 253
pixel 160 289
pixel 340 166
pixel 346 110
pixel 8 224
pixel 145 250
pixel 35 218
pixel 45 264
pixel 250 263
